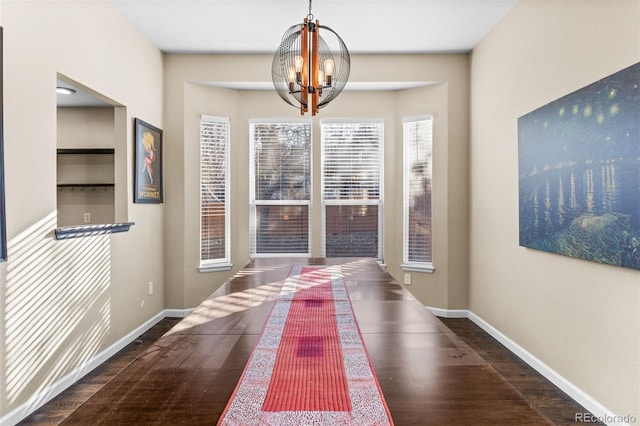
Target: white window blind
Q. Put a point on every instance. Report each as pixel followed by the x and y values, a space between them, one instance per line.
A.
pixel 352 171
pixel 418 140
pixel 280 188
pixel 214 191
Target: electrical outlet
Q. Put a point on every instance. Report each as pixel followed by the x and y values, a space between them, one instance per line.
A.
pixel 150 288
pixel 87 217
pixel 407 279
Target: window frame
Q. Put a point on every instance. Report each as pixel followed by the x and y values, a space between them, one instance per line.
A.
pixel 379 202
pixel 224 263
pixel 253 203
pixel 410 265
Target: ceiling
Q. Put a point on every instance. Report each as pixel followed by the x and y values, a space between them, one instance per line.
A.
pixel 366 26
pixel 81 98
pixel 257 26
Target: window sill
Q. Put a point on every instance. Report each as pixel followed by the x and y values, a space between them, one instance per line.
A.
pixel 216 268
pixel 427 269
pixel 279 255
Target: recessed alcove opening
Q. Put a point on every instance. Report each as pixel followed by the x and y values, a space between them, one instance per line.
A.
pixel 91 149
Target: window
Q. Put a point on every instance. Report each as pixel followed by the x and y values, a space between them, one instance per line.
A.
pixel 352 188
pixel 280 188
pixel 418 139
pixel 214 194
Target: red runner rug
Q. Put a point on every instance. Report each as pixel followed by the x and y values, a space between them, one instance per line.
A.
pixel 310 365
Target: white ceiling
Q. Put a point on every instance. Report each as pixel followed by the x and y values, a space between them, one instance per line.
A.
pixel 366 26
pixel 81 97
pixel 257 26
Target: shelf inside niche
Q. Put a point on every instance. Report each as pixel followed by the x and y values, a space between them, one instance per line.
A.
pixel 79 231
pixel 86 151
pixel 85 185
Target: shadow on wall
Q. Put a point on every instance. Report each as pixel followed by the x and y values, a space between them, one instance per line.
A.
pixel 56 309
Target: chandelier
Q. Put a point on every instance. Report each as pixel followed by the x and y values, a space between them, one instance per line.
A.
pixel 309 71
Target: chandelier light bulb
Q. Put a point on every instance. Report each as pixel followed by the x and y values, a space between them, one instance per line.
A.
pixel 297 63
pixel 328 70
pixel 320 82
pixel 291 76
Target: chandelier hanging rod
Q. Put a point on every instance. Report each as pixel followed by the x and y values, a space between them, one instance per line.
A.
pixel 310 15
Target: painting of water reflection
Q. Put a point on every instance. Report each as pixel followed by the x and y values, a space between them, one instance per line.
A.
pixel 579 173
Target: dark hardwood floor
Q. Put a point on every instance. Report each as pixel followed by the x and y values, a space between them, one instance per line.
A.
pixel 556 405
pixel 429 373
pixel 59 408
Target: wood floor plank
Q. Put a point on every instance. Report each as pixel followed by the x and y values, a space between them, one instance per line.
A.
pixel 428 374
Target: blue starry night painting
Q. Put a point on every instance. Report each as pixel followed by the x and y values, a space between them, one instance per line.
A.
pixel 579 173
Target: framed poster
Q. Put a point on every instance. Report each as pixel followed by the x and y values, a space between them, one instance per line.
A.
pixel 148 163
pixel 3 221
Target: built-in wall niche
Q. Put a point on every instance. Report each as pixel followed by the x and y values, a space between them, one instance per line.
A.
pixel 85 166
pixel 85 186
pixel 89 133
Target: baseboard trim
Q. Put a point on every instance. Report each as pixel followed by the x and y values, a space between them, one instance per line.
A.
pixel 177 313
pixel 597 409
pixel 449 313
pixel 38 400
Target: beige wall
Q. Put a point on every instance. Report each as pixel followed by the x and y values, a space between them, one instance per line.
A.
pixel 580 318
pixel 63 302
pixel 187 98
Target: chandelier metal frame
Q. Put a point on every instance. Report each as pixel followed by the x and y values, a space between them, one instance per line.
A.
pixel 309 71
